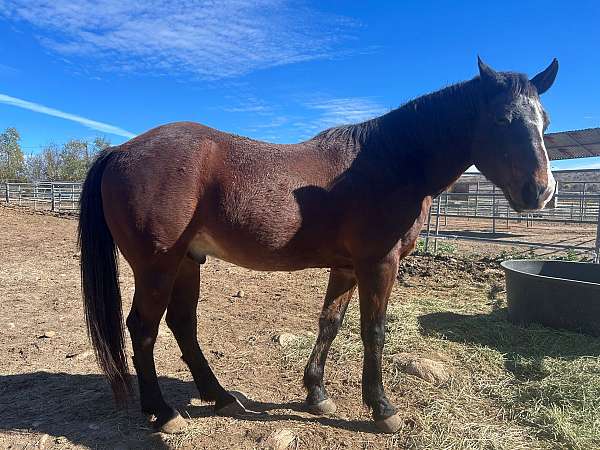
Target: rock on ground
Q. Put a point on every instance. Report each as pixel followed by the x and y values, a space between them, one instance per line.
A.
pixel 285 339
pixel 429 370
pixel 279 440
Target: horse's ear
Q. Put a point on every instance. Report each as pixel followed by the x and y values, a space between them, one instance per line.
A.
pixel 488 75
pixel 543 80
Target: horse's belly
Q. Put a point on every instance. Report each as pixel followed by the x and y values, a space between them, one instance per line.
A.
pixel 204 245
pixel 254 256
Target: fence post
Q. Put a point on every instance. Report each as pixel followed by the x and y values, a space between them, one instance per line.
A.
pixel 428 230
pixel 494 209
pixel 52 195
pixel 476 198
pixel 437 223
pixel 7 192
pixel 597 251
pixel 581 202
pixel 446 209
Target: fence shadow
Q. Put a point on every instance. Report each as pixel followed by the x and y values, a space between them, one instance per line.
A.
pixel 524 348
pixel 479 234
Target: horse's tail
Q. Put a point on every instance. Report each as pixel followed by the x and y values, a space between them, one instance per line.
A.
pixel 100 283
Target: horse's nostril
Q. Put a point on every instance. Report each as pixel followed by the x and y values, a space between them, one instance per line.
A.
pixel 531 192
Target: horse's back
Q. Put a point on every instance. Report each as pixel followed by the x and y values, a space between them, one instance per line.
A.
pixel 253 203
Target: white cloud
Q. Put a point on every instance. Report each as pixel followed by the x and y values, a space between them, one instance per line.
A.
pixel 210 39
pixel 331 112
pixel 8 70
pixel 94 125
pixel 249 104
pixel 340 111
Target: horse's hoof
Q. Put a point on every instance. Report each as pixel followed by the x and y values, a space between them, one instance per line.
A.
pixel 324 407
pixel 176 424
pixel 242 398
pixel 389 424
pixel 235 407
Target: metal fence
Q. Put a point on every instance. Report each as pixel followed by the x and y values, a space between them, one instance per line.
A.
pixel 575 207
pixel 59 196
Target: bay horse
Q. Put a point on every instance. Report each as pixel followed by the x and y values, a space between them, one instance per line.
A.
pixel 352 199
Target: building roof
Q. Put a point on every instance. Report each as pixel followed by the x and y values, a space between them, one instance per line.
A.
pixel 573 144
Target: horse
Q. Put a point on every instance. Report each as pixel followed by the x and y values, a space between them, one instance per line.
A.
pixel 352 199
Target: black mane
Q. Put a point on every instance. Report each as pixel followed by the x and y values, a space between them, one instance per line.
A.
pixel 442 109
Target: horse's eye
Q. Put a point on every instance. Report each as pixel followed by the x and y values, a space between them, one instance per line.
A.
pixel 502 121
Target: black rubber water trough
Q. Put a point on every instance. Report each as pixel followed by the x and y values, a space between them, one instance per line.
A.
pixel 557 294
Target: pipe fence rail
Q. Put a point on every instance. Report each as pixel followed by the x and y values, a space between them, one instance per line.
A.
pixel 576 204
pixel 60 196
pixel 474 205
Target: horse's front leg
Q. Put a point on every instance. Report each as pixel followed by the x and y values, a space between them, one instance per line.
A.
pixel 342 283
pixel 375 282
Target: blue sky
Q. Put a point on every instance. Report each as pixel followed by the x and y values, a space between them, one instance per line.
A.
pixel 275 70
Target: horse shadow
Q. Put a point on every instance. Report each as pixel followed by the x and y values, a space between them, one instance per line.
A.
pixel 524 347
pixel 78 408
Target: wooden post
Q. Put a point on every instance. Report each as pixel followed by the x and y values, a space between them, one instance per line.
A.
pixel 7 193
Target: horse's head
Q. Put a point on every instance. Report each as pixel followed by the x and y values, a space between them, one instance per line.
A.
pixel 509 143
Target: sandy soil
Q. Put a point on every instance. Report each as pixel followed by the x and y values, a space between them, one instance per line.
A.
pixel 53 396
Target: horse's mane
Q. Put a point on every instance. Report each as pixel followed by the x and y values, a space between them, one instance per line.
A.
pixel 434 106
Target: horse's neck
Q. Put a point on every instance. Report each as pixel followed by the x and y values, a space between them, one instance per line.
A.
pixel 428 141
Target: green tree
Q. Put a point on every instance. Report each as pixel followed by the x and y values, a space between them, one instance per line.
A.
pixel 74 160
pixel 70 162
pixel 12 160
pixel 34 167
pixel 99 144
pixel 51 163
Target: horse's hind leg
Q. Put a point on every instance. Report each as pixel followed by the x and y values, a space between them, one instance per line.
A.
pixel 339 292
pixel 181 319
pixel 152 294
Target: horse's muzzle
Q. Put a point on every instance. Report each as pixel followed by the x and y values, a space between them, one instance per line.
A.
pixel 532 195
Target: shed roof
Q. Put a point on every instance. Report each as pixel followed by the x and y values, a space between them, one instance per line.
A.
pixel 573 144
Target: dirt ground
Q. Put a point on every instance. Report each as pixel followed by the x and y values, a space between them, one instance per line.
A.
pixel 570 234
pixel 53 396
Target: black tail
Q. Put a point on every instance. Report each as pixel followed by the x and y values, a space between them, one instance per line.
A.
pixel 100 283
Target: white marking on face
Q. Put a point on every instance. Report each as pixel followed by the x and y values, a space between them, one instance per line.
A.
pixel 538 122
